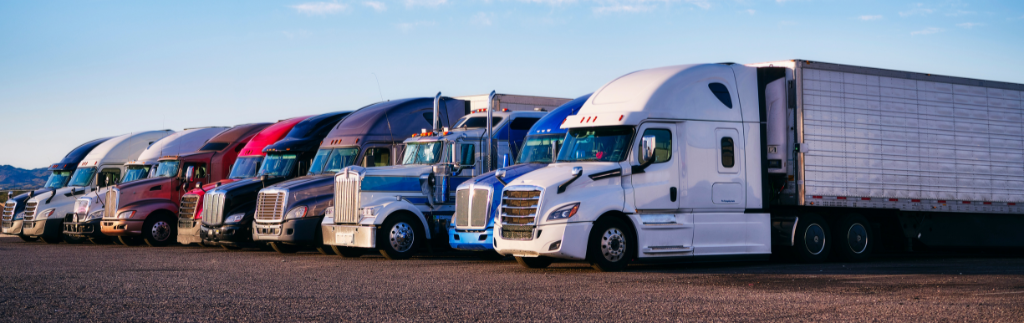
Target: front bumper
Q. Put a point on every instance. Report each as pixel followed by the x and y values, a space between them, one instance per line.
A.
pixel 237 234
pixel 573 238
pixel 188 231
pixel 12 227
pixel 88 229
pixel 121 227
pixel 471 240
pixel 48 227
pixel 351 235
pixel 295 231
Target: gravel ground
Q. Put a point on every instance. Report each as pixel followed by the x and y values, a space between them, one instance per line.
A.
pixel 41 282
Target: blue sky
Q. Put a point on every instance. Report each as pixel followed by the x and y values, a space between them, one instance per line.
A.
pixel 71 71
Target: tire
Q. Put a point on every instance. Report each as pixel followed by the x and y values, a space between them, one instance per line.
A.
pixel 27 238
pixel 99 241
pixel 346 252
pixel 813 239
pixel 490 255
pixel 853 238
pixel 160 231
pixel 53 240
pixel 74 240
pixel 534 262
pixel 283 248
pixel 612 245
pixel 325 250
pixel 230 248
pixel 129 241
pixel 400 237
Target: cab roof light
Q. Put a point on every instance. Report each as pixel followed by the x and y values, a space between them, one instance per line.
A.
pixel 504 110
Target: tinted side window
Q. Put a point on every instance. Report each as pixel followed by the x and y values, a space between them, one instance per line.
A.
pixel 468 154
pixel 523 123
pixel 376 157
pixel 662 145
pixel 109 176
pixel 722 93
pixel 728 153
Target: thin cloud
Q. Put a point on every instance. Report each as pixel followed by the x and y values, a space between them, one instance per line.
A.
pixel 410 26
pixel 550 2
pixel 870 17
pixel 750 11
pixel 376 5
pixel 958 13
pixel 787 23
pixel 927 31
pixel 320 8
pixel 622 8
pixel 918 9
pixel 424 3
pixel 481 19
pixel 969 25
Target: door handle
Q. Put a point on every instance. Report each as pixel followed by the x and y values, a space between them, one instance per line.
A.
pixel 672 194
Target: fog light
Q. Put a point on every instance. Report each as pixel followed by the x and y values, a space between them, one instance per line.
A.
pixel 483 237
pixel 555 245
pixel 456 237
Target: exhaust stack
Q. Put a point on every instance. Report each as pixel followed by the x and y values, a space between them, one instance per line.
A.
pixel 490 113
pixel 437 112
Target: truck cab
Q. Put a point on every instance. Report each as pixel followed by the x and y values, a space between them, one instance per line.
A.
pixel 60 175
pixel 227 210
pixel 246 166
pixel 102 167
pixel 398 209
pixel 476 203
pixel 84 222
pixel 288 214
pixel 654 167
pixel 147 209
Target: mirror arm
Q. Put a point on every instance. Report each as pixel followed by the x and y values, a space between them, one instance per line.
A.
pixel 637 169
pixel 563 186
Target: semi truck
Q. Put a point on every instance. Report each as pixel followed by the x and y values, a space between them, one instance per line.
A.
pixel 228 210
pixel 147 209
pixel 814 160
pixel 288 214
pixel 84 220
pixel 476 202
pixel 102 167
pixel 246 166
pixel 399 209
pixel 60 174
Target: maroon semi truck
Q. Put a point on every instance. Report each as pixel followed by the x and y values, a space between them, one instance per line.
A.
pixel 146 210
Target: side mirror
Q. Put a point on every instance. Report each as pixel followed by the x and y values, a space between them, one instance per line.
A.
pixel 191 170
pixel 199 185
pixel 500 176
pixel 647 145
pixel 577 171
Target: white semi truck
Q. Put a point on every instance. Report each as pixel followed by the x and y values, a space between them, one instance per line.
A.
pixel 103 166
pixel 817 160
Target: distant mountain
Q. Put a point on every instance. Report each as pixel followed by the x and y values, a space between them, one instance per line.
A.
pixel 13 178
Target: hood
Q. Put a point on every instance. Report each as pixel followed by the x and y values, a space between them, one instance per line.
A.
pixel 552 175
pixel 511 173
pixel 62 199
pixel 399 170
pixel 304 182
pixel 144 188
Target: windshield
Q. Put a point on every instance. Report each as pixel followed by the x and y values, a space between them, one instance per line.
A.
pixel 82 176
pixel 538 148
pixel 167 168
pixel 476 122
pixel 245 167
pixel 596 144
pixel 426 153
pixel 340 158
pixel 57 179
pixel 136 172
pixel 278 165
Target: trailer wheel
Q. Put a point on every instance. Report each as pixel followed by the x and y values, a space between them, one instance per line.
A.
pixel 27 238
pixel 283 248
pixel 813 240
pixel 347 252
pixel 534 262
pixel 400 236
pixel 611 245
pixel 854 239
pixel 158 231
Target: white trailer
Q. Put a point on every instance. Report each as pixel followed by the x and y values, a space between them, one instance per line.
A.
pixel 725 161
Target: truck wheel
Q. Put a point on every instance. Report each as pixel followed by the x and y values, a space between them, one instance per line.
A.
pixel 534 262
pixel 812 241
pixel 27 238
pixel 104 240
pixel 129 241
pixel 230 248
pixel 400 237
pixel 346 252
pixel 159 231
pixel 853 238
pixel 490 255
pixel 74 240
pixel 284 248
pixel 52 239
pixel 611 245
pixel 325 250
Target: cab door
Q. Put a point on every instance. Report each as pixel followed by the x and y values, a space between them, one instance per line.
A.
pixel 664 230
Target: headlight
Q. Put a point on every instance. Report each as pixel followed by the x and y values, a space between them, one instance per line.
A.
pixel 94 215
pixel 82 206
pixel 368 212
pixel 235 218
pixel 126 214
pixel 564 212
pixel 296 212
pixel 329 212
pixel 45 214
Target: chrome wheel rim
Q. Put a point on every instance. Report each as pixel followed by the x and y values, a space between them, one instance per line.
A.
pixel 161 231
pixel 858 238
pixel 814 239
pixel 613 245
pixel 401 237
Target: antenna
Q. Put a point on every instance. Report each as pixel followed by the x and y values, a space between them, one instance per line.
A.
pixel 378 87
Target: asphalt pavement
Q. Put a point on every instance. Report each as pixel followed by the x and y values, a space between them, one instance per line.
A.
pixel 87 282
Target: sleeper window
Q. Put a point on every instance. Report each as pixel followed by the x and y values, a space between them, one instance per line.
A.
pixel 376 157
pixel 728 153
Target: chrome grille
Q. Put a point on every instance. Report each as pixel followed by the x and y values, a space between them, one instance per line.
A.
pixel 346 197
pixel 30 210
pixel 110 208
pixel 9 213
pixel 519 213
pixel 461 208
pixel 270 206
pixel 213 208
pixel 187 207
pixel 472 207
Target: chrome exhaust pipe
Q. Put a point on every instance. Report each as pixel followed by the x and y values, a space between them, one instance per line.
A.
pixel 437 112
pixel 490 113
